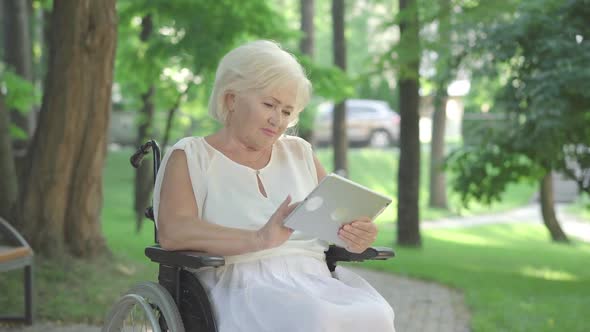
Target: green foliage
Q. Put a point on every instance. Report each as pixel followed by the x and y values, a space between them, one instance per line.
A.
pixel 45 4
pixel 20 95
pixel 545 54
pixel 483 174
pixel 186 40
pixel 328 81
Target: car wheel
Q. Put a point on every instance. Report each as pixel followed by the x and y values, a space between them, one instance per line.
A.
pixel 380 139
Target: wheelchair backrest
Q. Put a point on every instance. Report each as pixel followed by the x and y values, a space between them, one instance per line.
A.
pixel 136 160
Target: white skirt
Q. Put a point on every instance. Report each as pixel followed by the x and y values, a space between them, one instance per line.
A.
pixel 293 294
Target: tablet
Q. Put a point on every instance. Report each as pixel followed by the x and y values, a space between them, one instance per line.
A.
pixel 334 202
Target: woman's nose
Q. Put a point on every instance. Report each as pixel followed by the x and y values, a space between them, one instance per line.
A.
pixel 274 119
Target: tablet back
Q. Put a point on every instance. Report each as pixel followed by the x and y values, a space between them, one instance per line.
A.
pixel 334 202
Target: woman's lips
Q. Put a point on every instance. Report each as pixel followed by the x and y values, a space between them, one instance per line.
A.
pixel 269 132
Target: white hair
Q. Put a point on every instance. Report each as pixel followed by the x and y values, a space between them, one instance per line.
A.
pixel 259 65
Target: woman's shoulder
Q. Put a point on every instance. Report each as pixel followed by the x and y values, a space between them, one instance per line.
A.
pixel 187 142
pixel 294 141
pixel 192 146
pixel 295 146
pixel 195 148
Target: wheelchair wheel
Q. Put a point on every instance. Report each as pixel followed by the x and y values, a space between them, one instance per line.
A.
pixel 145 307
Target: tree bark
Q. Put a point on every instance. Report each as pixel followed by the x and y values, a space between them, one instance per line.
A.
pixel 306 45
pixel 8 182
pixel 438 190
pixel 548 210
pixel 18 56
pixel 408 219
pixel 339 136
pixel 59 207
pixel 143 174
pixel 2 27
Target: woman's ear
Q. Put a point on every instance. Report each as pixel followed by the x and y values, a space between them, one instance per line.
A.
pixel 230 101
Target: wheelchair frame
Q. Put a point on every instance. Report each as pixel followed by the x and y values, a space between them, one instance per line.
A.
pixel 185 290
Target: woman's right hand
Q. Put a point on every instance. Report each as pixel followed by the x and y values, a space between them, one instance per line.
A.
pixel 274 233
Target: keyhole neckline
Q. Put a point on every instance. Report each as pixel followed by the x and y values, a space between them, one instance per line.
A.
pixel 256 171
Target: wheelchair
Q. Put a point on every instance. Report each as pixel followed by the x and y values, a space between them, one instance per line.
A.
pixel 178 302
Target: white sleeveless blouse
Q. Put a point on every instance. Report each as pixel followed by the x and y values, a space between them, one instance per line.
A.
pixel 288 288
pixel 227 193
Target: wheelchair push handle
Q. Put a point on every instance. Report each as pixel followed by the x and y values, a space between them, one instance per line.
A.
pixel 143 150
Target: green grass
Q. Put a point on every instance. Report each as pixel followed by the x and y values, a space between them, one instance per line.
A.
pixel 581 208
pixel 74 290
pixel 82 291
pixel 512 277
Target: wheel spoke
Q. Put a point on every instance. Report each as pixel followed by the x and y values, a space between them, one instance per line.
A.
pixel 147 307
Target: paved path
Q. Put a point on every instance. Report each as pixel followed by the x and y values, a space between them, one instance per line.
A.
pixel 572 225
pixel 419 306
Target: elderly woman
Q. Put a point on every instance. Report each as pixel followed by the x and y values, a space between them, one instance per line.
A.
pixel 228 194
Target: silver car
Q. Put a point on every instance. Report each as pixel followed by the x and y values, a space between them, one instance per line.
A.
pixel 368 122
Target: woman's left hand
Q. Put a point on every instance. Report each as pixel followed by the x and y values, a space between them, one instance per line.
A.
pixel 358 235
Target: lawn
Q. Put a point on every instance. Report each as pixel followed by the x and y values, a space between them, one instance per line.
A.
pixel 513 277
pixel 581 208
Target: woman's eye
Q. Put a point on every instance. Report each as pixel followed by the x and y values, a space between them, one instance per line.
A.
pixel 269 105
pixel 287 113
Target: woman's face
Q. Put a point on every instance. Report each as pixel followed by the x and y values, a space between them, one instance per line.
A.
pixel 259 117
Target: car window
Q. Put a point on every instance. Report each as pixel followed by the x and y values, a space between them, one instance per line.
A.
pixel 356 111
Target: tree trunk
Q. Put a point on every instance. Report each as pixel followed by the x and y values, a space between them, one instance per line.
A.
pixel 408 219
pixel 59 207
pixel 438 188
pixel 306 45
pixel 41 20
pixel 2 27
pixel 18 56
pixel 45 41
pixel 8 183
pixel 339 136
pixel 143 174
pixel 548 210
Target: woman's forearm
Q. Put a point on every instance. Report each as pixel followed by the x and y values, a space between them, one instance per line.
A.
pixel 186 233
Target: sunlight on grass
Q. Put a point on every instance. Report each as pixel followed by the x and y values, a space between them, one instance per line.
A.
pixel 547 273
pixel 465 239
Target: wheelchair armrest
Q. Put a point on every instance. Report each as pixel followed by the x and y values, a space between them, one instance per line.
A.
pixel 191 259
pixel 339 254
